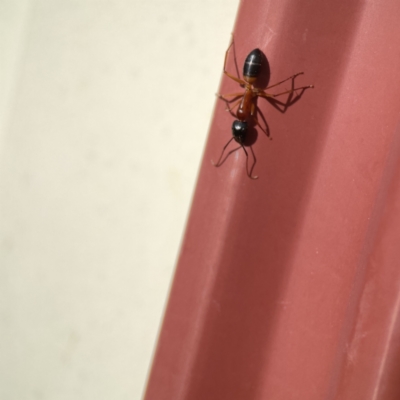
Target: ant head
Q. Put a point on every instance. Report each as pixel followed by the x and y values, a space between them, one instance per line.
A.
pixel 239 131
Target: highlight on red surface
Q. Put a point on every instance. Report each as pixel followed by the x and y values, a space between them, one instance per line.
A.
pixel 288 287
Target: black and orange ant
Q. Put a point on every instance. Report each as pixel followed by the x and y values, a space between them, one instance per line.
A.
pixel 247 99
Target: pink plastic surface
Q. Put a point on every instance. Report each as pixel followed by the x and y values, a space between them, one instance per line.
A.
pixel 288 287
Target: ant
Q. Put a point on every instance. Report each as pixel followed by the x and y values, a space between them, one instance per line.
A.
pixel 247 101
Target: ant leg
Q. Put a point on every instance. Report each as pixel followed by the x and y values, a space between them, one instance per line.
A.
pixel 291 77
pixel 228 108
pixel 234 106
pixel 234 56
pixel 254 164
pixel 247 160
pixel 253 109
pixel 253 115
pixel 242 82
pixel 292 90
pixel 264 94
pixel 257 123
pixel 233 95
pixel 222 153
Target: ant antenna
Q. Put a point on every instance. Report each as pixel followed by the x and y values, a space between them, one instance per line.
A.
pixel 219 163
pixel 222 153
pixel 247 164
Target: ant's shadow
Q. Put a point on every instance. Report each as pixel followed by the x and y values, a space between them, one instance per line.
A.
pixel 259 119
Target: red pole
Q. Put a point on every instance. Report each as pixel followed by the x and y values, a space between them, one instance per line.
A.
pixel 287 287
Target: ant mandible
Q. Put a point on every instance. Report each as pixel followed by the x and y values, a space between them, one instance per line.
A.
pixel 247 99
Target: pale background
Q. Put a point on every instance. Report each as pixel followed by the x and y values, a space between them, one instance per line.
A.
pixel 104 111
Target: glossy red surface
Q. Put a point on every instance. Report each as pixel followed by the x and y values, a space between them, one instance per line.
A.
pixel 288 287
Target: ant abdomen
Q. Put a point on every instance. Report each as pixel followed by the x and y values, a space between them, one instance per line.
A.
pixel 252 66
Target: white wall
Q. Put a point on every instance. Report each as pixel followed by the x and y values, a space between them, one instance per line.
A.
pixel 104 111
